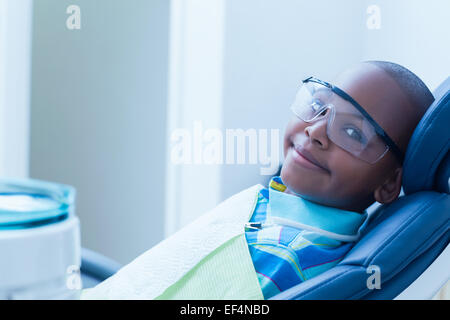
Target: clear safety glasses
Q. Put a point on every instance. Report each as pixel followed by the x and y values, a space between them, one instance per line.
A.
pixel 348 125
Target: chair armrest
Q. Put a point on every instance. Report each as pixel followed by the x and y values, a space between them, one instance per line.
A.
pixel 97 266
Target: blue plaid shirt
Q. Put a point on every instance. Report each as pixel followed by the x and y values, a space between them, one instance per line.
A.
pixel 284 256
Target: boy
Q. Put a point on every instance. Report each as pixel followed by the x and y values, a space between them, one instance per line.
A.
pixel 335 157
pixel 343 150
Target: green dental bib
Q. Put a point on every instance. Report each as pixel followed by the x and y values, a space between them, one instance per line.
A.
pixel 226 274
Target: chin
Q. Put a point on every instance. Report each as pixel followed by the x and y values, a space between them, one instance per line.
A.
pixel 308 190
pixel 293 182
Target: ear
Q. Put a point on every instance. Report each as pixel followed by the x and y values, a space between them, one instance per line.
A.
pixel 390 189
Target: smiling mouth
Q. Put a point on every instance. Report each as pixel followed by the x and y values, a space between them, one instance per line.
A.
pixel 303 158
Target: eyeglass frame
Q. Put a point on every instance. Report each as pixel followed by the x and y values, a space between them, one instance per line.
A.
pixel 378 129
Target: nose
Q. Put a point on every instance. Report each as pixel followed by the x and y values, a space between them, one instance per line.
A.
pixel 317 133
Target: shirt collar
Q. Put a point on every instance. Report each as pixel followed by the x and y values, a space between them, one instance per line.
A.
pixel 292 207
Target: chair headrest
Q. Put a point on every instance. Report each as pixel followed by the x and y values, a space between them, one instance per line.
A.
pixel 427 159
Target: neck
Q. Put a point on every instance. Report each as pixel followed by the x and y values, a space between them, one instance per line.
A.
pixel 358 209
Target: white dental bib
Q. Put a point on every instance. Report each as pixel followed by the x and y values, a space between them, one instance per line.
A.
pixel 208 259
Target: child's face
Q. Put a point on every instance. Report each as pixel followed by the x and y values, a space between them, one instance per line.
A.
pixel 342 180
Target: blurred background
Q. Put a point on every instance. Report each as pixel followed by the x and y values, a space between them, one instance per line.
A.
pixel 93 102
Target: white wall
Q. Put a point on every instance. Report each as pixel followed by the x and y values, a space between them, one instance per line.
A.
pixel 106 98
pixel 194 96
pixel 15 61
pixel 98 112
pixel 415 34
pixel 268 49
pixel 270 46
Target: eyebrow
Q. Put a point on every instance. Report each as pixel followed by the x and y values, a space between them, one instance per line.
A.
pixel 359 116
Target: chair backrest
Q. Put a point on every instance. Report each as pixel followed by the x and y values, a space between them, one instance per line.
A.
pixel 406 236
pixel 427 161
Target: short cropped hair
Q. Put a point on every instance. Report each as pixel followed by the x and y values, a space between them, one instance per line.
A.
pixel 417 92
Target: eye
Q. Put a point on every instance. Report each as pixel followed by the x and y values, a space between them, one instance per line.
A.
pixel 355 134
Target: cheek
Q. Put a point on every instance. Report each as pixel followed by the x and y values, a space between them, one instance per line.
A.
pixel 293 127
pixel 353 176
